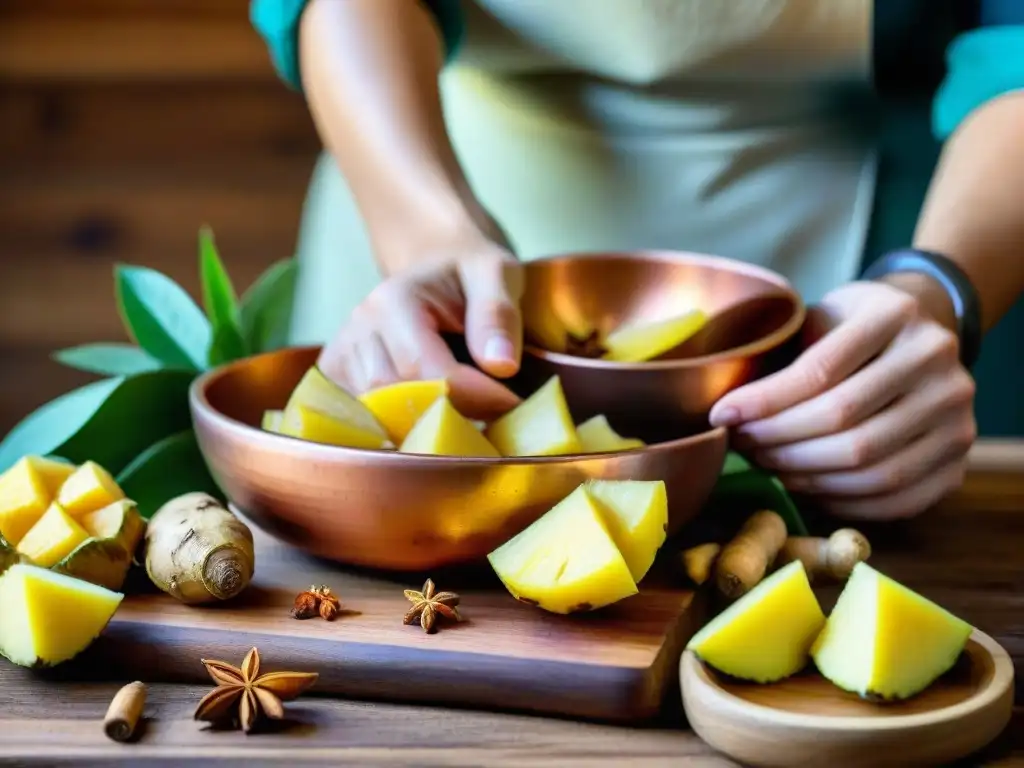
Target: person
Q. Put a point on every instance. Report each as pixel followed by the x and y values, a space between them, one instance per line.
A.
pixel 463 138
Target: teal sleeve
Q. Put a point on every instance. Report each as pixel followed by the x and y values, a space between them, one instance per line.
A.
pixel 278 22
pixel 981 65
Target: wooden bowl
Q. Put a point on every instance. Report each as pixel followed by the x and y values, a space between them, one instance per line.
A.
pixel 753 315
pixel 390 510
pixel 807 721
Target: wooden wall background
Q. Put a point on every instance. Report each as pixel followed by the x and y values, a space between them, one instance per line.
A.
pixel 125 125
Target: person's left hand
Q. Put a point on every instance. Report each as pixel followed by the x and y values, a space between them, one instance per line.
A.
pixel 874 418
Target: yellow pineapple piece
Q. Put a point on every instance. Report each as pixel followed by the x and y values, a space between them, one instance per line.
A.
pixel 397 407
pixel 48 617
pixel 885 641
pixel 636 512
pixel 24 497
pixel 272 421
pixel 566 561
pixel 597 436
pixel 52 538
pixel 443 431
pixel 317 427
pixel 90 488
pixel 105 557
pixel 541 425
pixel 321 411
pixel 54 473
pixel 638 342
pixel 767 634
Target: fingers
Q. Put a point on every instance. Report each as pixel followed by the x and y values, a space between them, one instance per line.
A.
pixel 910 501
pixel 862 395
pixel 937 399
pixel 492 289
pixel 937 448
pixel 820 368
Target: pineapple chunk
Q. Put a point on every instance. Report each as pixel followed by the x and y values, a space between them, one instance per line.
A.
pixel 272 421
pixel 443 431
pixel 24 497
pixel 566 560
pixel 90 488
pixel 636 512
pixel 885 641
pixel 316 397
pixel 399 406
pixel 767 634
pixel 48 617
pixel 104 558
pixel 54 472
pixel 52 538
pixel 645 341
pixel 541 425
pixel 318 427
pixel 597 436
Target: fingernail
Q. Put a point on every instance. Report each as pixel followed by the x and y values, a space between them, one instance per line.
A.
pixel 726 417
pixel 499 350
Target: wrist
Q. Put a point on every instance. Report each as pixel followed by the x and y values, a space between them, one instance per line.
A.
pixel 929 293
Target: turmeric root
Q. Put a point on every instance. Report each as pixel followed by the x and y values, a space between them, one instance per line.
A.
pixel 745 560
pixel 197 551
pixel 698 561
pixel 833 557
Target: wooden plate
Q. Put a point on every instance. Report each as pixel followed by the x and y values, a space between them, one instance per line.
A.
pixel 805 720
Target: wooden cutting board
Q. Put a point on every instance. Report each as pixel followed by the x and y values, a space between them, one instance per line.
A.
pixel 616 665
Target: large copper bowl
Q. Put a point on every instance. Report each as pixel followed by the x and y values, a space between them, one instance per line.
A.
pixel 399 511
pixel 754 315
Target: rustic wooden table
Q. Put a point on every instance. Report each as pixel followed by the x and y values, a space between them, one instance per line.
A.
pixel 968 554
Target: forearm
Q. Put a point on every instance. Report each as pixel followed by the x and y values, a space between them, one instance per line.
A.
pixel 370 74
pixel 974 210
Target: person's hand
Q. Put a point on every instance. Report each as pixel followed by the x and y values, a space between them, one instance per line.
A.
pixel 395 333
pixel 874 418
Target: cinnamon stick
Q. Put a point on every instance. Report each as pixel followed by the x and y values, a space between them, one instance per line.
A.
pixel 124 712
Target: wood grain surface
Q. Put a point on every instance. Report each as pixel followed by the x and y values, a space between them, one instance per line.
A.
pixel 966 554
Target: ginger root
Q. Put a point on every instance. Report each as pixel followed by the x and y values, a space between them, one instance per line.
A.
pixel 745 560
pixel 698 561
pixel 197 551
pixel 833 557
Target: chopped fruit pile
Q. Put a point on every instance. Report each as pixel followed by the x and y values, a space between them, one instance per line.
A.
pixel 418 417
pixel 49 617
pixel 74 520
pixel 882 640
pixel 590 550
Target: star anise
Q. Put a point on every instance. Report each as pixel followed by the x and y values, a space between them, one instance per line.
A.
pixel 428 604
pixel 243 695
pixel 589 346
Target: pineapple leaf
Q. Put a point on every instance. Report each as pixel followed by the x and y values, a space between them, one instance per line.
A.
pixel 220 302
pixel 113 359
pixel 266 308
pixel 162 318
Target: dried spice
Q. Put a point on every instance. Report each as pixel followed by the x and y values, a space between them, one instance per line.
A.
pixel 243 695
pixel 589 346
pixel 316 601
pixel 428 604
pixel 124 712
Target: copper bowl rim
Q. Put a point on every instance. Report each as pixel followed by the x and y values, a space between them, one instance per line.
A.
pixel 722 263
pixel 200 405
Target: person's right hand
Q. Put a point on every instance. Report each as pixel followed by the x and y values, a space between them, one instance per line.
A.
pixel 395 333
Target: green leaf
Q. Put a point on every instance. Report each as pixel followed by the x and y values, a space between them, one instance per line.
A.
pixel 162 318
pixel 756 487
pixel 169 468
pixel 108 359
pixel 266 308
pixel 109 421
pixel 221 303
pixel 734 463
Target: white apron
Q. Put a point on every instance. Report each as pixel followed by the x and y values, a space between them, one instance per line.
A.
pixel 699 125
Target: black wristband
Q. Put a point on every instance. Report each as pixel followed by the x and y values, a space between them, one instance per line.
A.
pixel 961 291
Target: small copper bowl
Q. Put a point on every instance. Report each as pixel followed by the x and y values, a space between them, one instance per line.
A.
pixel 389 510
pixel 754 315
